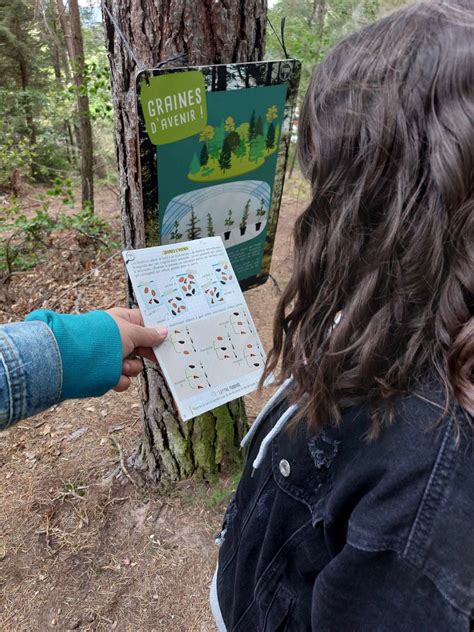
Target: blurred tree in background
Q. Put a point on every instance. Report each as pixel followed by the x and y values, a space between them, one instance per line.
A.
pixel 41 86
pixel 312 27
pixel 50 94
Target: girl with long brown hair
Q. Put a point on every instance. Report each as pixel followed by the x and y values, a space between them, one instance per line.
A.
pixel 356 506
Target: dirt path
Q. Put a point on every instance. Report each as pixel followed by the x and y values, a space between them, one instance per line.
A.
pixel 78 548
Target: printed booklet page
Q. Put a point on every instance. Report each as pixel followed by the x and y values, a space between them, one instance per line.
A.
pixel 212 353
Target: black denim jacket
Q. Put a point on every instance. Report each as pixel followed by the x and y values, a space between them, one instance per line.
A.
pixel 334 533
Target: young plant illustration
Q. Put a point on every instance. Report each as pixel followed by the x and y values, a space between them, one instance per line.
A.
pixel 245 217
pixel 175 234
pixel 210 226
pixel 193 230
pixel 261 212
pixel 229 222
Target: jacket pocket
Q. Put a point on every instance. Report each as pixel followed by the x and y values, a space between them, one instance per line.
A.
pixel 277 618
pixel 269 614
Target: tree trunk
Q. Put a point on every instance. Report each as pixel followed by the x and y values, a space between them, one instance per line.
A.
pixel 75 48
pixel 208 32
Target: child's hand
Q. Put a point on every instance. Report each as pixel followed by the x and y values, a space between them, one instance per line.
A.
pixel 136 340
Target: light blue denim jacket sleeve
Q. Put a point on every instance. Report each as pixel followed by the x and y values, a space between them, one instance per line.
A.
pixel 30 371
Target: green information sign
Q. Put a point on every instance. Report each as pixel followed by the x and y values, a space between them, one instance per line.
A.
pixel 213 149
pixel 174 106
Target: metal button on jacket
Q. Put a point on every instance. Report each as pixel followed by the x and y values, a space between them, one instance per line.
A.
pixel 285 468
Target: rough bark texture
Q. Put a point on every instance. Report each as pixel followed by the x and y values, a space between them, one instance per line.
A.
pixel 74 45
pixel 207 32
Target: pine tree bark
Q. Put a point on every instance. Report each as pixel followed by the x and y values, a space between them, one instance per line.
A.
pixel 75 48
pixel 208 32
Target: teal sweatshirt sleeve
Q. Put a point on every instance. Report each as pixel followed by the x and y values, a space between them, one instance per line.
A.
pixel 91 351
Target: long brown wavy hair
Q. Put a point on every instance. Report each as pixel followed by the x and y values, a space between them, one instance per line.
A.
pixel 386 139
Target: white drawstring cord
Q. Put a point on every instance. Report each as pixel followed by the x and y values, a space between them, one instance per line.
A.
pixel 272 434
pixel 276 395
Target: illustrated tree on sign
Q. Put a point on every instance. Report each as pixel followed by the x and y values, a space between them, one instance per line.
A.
pixel 204 157
pixel 259 127
pixel 195 164
pixel 257 149
pixel 193 230
pixel 215 143
pixel 252 127
pixel 210 226
pixel 270 141
pixel 233 139
pixel 229 124
pixel 225 161
pixel 207 134
pixel 271 115
pixel 175 234
pixel 245 217
pixel 241 150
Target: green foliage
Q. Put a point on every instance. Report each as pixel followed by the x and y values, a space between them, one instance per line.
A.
pixel 97 86
pixel 222 491
pixel 312 27
pixel 26 238
pixel 38 130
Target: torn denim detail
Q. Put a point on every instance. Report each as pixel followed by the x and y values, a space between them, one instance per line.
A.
pixel 323 450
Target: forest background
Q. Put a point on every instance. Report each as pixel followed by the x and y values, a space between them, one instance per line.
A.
pixel 56 124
